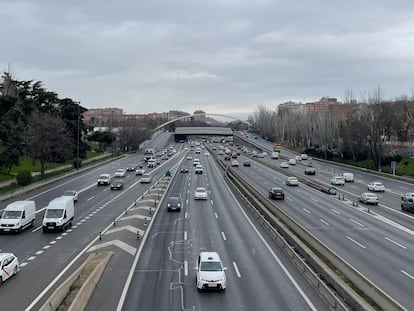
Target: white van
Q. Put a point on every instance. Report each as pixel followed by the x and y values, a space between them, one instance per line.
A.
pixel 292 161
pixel 59 214
pixel 349 177
pixel 274 155
pixel 304 156
pixel 18 216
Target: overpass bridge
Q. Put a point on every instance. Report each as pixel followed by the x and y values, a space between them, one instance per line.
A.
pixel 181 133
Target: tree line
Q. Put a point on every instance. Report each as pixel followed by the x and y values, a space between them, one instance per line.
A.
pixel 37 123
pixel 359 134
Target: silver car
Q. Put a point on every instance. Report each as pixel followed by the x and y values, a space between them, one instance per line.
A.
pixel 200 194
pixel 368 198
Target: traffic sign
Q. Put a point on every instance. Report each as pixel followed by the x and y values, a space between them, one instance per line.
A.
pixel 393 164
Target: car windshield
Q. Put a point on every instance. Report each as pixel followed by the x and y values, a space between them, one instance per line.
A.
pixel 210 266
pixel 12 214
pixel 54 213
pixel 200 190
pixel 68 194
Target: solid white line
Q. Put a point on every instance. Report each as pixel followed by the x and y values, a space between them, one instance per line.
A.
pixel 355 222
pixel 407 274
pixel 324 222
pixel 282 266
pixel 224 236
pixel 335 211
pixel 307 211
pixel 215 214
pixel 396 243
pixel 185 235
pixel 185 267
pixel 90 198
pixel 237 270
pixel 357 243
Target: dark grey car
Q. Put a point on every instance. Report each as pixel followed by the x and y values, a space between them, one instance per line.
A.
pixel 407 202
pixel 174 203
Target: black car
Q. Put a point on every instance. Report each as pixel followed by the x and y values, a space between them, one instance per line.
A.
pixel 247 163
pixel 117 184
pixel 174 203
pixel 310 171
pixel 276 194
pixel 184 169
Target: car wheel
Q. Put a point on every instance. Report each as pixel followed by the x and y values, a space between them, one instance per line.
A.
pixel 1 280
pixel 15 270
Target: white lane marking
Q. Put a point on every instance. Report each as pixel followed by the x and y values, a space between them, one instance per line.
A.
pixel 64 233
pixel 266 183
pixel 224 236
pixel 186 202
pixel 357 243
pixel 324 222
pixel 407 274
pixel 59 238
pixel 335 211
pixel 38 228
pixel 31 258
pixel 52 242
pixel 185 267
pixel 39 252
pixel 396 243
pixel 23 264
pixel 46 246
pixel 186 215
pixel 211 202
pixel 307 211
pixel 282 266
pixel 215 214
pixel 289 199
pixel 185 235
pixel 91 198
pixel 314 200
pixel 237 270
pixel 356 222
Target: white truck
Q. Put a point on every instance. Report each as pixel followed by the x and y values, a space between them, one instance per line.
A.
pixel 18 216
pixel 59 214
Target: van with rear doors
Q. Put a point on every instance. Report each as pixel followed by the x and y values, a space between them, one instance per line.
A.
pixel 18 216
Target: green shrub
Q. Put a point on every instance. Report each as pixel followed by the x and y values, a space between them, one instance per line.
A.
pixel 24 178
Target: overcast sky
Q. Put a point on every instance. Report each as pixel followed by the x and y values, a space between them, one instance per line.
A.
pixel 222 56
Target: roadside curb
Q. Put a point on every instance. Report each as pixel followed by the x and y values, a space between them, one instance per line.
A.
pixel 77 283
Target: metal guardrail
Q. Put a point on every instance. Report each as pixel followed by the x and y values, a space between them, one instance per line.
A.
pixel 315 253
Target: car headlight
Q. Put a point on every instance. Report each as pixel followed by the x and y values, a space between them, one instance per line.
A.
pixel 179 205
pixel 59 222
pixel 168 205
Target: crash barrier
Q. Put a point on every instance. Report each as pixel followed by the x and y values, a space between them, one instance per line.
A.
pixel 80 284
pixel 275 220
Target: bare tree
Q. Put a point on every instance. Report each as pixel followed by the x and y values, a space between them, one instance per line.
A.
pixel 46 139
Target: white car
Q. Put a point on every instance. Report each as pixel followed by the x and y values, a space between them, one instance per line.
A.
pixel 140 171
pixel 146 179
pixel 200 194
pixel 104 179
pixel 338 180
pixel 376 186
pixel 206 154
pixel 120 172
pixel 210 272
pixel 292 161
pixel 235 163
pixel 9 266
pixel 189 157
pixel 368 198
pixel 292 181
pixel 71 193
pixel 198 169
pixel 196 162
pixel 298 158
pixel 284 165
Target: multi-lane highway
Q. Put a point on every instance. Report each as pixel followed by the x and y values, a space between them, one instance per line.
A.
pixel 378 243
